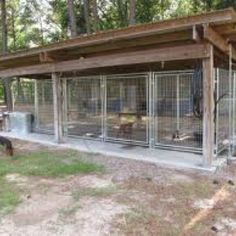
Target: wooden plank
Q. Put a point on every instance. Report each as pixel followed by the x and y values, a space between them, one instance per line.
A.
pixel 196 51
pixel 133 32
pixel 208 109
pixel 158 39
pixel 73 53
pixel 57 106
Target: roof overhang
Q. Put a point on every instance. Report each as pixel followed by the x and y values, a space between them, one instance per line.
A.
pixel 217 28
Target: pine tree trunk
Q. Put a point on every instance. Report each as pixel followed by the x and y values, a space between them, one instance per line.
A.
pixel 132 12
pixel 6 81
pixel 13 28
pixel 86 16
pixel 95 16
pixel 72 18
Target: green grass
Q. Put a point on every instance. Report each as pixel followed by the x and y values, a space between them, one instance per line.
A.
pixel 47 164
pixel 9 197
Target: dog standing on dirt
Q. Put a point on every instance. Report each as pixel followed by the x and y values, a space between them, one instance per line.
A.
pixel 7 144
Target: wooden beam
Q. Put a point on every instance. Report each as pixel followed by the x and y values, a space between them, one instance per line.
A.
pixel 208 109
pixel 57 106
pixel 226 29
pixel 217 40
pixel 73 53
pixel 187 52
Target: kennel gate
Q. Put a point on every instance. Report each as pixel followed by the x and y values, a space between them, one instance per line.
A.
pixel 44 115
pixel 126 111
pixel 144 108
pixel 84 107
pixel 176 123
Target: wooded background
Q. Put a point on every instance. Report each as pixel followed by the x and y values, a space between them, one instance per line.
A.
pixel 31 23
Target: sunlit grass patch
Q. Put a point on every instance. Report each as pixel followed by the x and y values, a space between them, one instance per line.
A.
pixel 48 164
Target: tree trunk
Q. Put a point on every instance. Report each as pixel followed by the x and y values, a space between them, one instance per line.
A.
pixel 95 16
pixel 122 13
pixel 6 81
pixel 13 28
pixel 41 31
pixel 86 16
pixel 72 18
pixel 132 12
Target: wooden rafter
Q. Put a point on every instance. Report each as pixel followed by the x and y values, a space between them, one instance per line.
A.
pixel 217 40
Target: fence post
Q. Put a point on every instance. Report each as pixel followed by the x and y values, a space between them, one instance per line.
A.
pixel 57 106
pixel 208 108
pixel 230 103
pixel 36 104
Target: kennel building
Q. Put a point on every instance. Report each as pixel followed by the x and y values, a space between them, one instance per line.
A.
pixel 167 85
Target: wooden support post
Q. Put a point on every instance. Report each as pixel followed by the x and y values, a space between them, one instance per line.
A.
pixel 57 104
pixel 208 109
pixel 230 101
pixel 64 107
pixel 36 104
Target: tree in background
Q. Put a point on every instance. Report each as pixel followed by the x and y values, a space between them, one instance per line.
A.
pixel 72 18
pixel 132 12
pixel 95 15
pixel 6 81
pixel 87 16
pixel 38 22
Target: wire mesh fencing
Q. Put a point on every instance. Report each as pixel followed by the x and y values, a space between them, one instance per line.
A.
pixel 127 107
pixel 23 95
pixel 222 109
pixel 44 112
pixel 233 85
pixel 178 110
pixel 84 107
pixel 160 108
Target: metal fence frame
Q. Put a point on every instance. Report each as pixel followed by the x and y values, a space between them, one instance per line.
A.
pixel 150 110
pixel 233 121
pixel 219 146
pixel 127 76
pixel 158 144
pixel 65 106
pixel 37 126
pixel 148 98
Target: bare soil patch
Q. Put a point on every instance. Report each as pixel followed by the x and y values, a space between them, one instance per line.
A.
pixel 128 198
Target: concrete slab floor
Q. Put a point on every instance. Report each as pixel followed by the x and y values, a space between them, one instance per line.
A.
pixel 173 159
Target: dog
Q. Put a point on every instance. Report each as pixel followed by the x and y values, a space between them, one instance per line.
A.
pixel 125 130
pixel 8 145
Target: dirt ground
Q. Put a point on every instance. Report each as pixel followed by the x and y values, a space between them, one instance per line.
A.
pixel 129 198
